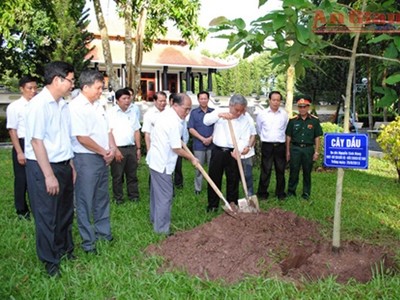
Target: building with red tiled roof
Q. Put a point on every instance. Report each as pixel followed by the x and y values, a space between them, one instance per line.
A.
pixel 170 66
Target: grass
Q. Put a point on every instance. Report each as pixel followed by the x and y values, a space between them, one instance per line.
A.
pixel 370 212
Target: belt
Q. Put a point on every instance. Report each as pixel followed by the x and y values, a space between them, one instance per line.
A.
pixel 223 149
pixel 127 146
pixel 64 162
pixel 276 144
pixel 302 145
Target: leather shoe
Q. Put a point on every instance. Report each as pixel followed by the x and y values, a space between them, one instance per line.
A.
pixel 197 192
pixel 53 269
pixel 305 196
pixel 134 200
pixel 212 209
pixel 291 194
pixel 262 196
pixel 282 197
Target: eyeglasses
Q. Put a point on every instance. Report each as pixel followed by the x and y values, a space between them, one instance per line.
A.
pixel 71 81
pixel 302 106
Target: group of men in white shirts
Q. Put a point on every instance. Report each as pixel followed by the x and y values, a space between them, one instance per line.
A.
pixel 66 150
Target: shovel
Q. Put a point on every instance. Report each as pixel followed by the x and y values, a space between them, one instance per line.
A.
pixel 249 204
pixel 227 208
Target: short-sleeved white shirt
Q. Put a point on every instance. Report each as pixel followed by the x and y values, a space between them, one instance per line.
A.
pixel 165 136
pixel 149 119
pixel 271 125
pixel 49 121
pixel 253 131
pixel 16 116
pixel 123 125
pixel 90 120
pixel 222 136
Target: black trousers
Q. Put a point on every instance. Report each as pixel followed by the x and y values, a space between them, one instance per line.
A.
pixel 178 176
pixel 126 168
pixel 272 154
pixel 20 184
pixel 53 214
pixel 220 162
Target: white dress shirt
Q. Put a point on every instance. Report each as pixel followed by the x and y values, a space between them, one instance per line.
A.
pixel 50 122
pixel 123 125
pixel 222 136
pixel 253 131
pixel 165 136
pixel 271 125
pixel 90 120
pixel 149 119
pixel 16 112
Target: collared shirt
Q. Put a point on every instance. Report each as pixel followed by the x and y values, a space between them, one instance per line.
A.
pixel 88 120
pixel 304 131
pixel 222 136
pixel 271 125
pixel 196 122
pixel 16 116
pixel 123 125
pixel 253 131
pixel 149 119
pixel 165 136
pixel 50 122
pixel 136 109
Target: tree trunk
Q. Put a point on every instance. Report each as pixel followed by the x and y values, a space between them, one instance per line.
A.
pixel 290 74
pixel 128 43
pixel 340 174
pixel 370 103
pixel 113 79
pixel 141 25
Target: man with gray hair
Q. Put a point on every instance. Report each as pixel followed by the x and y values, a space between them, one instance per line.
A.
pixel 94 150
pixel 223 156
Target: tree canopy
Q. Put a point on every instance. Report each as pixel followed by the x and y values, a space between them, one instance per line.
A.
pixel 34 32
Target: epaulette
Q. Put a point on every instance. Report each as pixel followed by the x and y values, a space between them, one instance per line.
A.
pixel 313 116
pixel 294 117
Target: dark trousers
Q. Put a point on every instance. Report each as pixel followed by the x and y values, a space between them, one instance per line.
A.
pixel 20 184
pixel 53 214
pixel 178 176
pixel 300 158
pixel 220 162
pixel 128 168
pixel 272 154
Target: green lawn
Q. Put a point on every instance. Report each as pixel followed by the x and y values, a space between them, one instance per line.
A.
pixel 370 212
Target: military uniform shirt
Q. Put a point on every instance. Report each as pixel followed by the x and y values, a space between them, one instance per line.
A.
pixel 304 131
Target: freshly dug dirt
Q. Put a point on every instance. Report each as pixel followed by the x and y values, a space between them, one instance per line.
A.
pixel 276 244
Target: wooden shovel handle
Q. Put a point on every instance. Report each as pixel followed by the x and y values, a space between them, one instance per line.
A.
pixel 206 176
pixel 238 159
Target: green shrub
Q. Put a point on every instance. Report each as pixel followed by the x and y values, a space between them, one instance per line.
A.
pixel 389 141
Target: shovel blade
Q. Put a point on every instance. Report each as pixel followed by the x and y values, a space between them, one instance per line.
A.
pixel 246 206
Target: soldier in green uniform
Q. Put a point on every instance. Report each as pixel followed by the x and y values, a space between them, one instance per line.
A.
pixel 303 135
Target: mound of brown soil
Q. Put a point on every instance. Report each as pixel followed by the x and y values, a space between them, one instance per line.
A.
pixel 276 243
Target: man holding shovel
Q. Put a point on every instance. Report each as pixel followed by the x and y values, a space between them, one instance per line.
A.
pixel 165 147
pixel 223 157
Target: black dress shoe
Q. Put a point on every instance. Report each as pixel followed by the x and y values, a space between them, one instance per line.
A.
pixel 197 192
pixel 212 209
pixel 134 200
pixel 53 269
pixel 291 194
pixel 262 196
pixel 282 197
pixel 119 202
pixel 25 216
pixel 305 196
